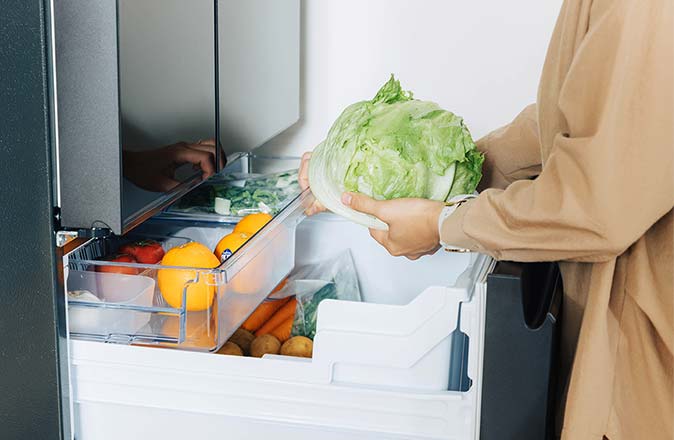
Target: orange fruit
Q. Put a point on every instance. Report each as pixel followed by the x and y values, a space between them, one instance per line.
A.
pixel 252 223
pixel 229 244
pixel 172 282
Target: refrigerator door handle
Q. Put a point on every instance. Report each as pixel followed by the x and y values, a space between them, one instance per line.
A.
pixel 541 292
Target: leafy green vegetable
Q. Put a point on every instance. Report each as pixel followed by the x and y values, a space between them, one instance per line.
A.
pixel 306 314
pixel 394 146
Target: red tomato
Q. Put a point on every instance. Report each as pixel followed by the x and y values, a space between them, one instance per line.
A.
pixel 121 258
pixel 145 251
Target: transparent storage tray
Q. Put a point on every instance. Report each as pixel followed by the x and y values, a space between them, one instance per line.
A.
pixel 244 166
pixel 97 310
pixel 238 285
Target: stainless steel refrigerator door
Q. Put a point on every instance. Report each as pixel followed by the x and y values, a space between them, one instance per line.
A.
pixel 140 75
pixel 113 56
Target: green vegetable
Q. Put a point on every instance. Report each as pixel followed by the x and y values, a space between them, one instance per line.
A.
pixel 306 313
pixel 394 146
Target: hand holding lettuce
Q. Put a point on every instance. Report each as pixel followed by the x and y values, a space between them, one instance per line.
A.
pixel 391 147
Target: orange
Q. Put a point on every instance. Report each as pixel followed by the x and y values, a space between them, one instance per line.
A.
pixel 252 223
pixel 172 282
pixel 229 244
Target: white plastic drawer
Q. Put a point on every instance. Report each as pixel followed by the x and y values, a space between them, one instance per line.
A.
pixel 404 364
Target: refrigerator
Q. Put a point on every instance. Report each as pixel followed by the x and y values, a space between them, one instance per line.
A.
pixel 452 346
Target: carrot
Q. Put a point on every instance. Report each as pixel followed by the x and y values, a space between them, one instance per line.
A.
pixel 262 314
pixel 285 312
pixel 282 331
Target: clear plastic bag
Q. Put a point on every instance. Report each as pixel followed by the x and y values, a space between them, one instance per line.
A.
pixel 334 278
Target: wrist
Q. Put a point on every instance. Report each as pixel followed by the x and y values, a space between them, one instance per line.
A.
pixel 449 208
pixel 432 220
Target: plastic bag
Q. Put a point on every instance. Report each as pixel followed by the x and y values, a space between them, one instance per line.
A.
pixel 334 278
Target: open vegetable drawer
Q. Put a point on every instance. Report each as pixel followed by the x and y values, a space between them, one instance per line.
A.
pixel 405 363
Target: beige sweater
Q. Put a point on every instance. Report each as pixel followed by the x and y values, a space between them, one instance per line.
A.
pixel 601 142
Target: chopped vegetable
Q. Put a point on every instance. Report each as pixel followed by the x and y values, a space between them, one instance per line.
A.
pixel 222 206
pixel 285 312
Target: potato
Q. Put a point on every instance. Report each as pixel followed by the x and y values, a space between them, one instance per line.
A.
pixel 231 349
pixel 243 338
pixel 265 344
pixel 299 346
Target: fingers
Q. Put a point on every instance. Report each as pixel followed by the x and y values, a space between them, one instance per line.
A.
pixel 164 183
pixel 362 203
pixel 315 208
pixel 380 236
pixel 210 142
pixel 205 160
pixel 303 180
pixel 209 146
pixel 303 175
pixel 384 239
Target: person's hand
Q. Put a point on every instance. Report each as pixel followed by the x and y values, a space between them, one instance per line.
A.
pixel 413 223
pixel 303 179
pixel 154 170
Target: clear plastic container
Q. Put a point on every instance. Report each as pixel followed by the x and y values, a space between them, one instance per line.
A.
pixel 97 310
pixel 245 173
pixel 238 285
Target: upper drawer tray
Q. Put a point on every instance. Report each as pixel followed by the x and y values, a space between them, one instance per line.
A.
pixel 226 294
pixel 249 183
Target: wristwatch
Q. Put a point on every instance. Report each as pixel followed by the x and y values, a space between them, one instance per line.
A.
pixel 450 206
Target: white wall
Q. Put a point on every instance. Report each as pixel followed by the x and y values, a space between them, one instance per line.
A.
pixel 480 59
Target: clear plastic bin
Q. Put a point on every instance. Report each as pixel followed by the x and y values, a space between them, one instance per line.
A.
pixel 100 313
pixel 238 285
pixel 241 168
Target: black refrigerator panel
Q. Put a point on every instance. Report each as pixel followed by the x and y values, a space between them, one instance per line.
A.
pixel 34 398
pixel 519 373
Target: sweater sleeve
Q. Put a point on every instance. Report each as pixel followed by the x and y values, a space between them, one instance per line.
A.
pixel 512 152
pixel 610 177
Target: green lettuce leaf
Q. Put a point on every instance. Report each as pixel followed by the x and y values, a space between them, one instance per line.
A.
pixel 394 146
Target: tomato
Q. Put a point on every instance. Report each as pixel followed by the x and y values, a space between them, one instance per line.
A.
pixel 144 251
pixel 120 258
